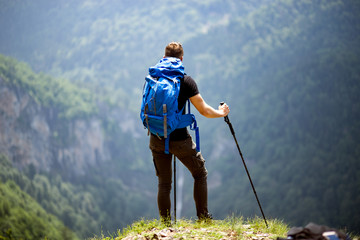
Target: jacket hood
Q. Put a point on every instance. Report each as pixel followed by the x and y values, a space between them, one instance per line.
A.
pixel 169 67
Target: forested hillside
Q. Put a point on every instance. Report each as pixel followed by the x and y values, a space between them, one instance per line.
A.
pixel 106 45
pixel 21 216
pixel 294 90
pixel 70 156
pixel 293 85
pixel 288 69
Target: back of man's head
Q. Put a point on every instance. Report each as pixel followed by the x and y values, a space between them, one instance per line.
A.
pixel 174 49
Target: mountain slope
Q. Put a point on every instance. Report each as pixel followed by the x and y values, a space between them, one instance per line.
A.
pixel 21 217
pixel 293 91
pixel 67 159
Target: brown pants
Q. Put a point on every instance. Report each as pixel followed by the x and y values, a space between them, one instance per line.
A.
pixel 185 151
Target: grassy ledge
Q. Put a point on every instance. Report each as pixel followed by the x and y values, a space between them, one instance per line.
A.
pixel 230 228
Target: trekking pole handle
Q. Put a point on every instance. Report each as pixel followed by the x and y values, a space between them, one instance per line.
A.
pixel 227 120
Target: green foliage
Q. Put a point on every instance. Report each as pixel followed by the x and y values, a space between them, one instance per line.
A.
pixel 21 217
pixel 83 208
pixel 66 98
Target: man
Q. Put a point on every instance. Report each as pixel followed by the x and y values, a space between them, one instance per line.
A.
pixel 183 147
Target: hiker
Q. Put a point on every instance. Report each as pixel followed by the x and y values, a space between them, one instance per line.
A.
pixel 182 146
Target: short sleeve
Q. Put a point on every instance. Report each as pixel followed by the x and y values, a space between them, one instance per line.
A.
pixel 188 89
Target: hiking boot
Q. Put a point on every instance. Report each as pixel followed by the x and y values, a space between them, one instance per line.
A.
pixel 166 221
pixel 205 218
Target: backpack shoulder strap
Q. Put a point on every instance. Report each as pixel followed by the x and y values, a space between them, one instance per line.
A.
pixel 189 120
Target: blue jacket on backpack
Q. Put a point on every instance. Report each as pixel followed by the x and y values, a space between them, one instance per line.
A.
pixel 159 108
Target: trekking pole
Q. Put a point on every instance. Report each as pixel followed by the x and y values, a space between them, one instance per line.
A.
pixel 226 119
pixel 175 188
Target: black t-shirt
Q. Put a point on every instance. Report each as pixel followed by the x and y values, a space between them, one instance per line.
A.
pixel 188 89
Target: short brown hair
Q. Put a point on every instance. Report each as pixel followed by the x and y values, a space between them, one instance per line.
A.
pixel 174 49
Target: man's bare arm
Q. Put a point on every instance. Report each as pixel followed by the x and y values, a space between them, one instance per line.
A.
pixel 208 111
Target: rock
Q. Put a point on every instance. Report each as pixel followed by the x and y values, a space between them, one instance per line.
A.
pixel 33 134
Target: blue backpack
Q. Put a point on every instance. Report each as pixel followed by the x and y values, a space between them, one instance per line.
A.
pixel 159 108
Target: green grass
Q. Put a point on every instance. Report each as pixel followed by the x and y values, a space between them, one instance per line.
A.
pixel 230 228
